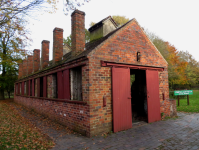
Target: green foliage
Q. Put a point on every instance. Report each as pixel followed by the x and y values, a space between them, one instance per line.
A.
pixel 176 66
pixel 13 39
pixel 132 78
pixel 120 20
pixel 69 41
pixel 162 114
pixel 92 24
pixel 192 69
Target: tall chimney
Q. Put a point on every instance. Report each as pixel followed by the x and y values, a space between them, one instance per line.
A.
pixel 20 70
pixel 36 60
pixel 57 44
pixel 44 54
pixel 24 71
pixel 78 32
pixel 30 64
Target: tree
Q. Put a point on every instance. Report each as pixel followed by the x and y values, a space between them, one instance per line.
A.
pixel 12 9
pixel 69 42
pixel 10 78
pixel 120 20
pixel 192 69
pixel 71 5
pixel 176 66
pixel 92 24
pixel 14 36
pixel 13 39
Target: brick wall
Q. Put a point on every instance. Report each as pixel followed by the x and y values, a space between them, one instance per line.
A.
pixel 74 116
pixel 121 48
pixel 94 119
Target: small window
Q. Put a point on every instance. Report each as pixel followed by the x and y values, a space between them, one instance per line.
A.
pixel 76 83
pixel 138 56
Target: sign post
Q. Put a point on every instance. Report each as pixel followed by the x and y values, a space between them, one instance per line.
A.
pixel 183 92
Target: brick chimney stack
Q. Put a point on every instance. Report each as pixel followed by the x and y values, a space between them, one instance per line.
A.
pixel 44 54
pixel 78 32
pixel 30 64
pixel 24 71
pixel 20 70
pixel 57 44
pixel 36 60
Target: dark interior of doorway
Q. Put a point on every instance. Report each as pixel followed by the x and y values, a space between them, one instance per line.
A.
pixel 138 95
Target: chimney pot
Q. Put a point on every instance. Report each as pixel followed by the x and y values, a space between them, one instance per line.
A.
pixel 24 71
pixel 20 70
pixel 30 64
pixel 78 32
pixel 36 60
pixel 57 44
pixel 44 54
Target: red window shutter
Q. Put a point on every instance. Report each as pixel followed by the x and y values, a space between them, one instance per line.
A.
pixel 60 85
pixel 18 88
pixel 29 87
pixel 22 88
pixel 66 83
pixel 33 87
pixel 38 87
pixel 44 86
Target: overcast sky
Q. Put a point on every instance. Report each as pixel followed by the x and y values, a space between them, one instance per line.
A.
pixel 175 21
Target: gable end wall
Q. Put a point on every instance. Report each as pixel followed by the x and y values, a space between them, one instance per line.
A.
pixel 122 47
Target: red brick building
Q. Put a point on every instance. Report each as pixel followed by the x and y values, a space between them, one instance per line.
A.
pixel 119 77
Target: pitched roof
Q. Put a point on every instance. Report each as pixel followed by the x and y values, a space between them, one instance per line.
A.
pixel 91 46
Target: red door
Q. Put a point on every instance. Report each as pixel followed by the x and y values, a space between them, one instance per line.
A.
pixel 153 100
pixel 122 115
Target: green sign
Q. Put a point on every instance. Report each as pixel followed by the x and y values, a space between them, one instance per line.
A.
pixel 183 92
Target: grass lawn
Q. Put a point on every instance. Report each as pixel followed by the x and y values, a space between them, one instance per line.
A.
pixel 17 132
pixel 193 103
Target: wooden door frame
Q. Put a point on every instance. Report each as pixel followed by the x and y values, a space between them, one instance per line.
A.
pixel 130 66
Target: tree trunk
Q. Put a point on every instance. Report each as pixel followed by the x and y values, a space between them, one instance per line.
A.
pixel 2 94
pixel 2 97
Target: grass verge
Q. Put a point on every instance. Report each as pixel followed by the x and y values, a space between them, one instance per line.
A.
pixel 193 103
pixel 17 132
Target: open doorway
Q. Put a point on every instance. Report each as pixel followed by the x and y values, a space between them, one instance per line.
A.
pixel 138 95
